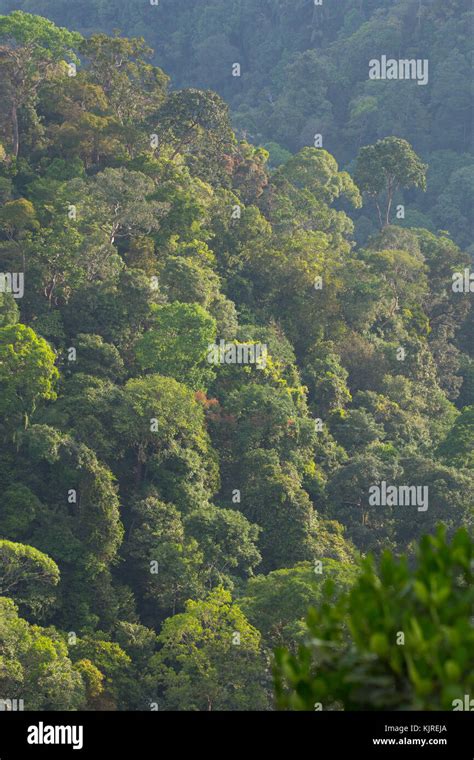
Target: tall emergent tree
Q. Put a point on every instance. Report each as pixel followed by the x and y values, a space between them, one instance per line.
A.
pixel 382 169
pixel 30 47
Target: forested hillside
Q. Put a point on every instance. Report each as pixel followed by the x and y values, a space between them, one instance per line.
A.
pixel 204 376
pixel 303 72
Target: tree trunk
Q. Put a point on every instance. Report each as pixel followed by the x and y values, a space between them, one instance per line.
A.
pixel 16 136
pixel 379 212
pixel 138 471
pixel 389 208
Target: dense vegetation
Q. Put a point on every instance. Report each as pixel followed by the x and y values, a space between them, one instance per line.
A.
pixel 398 639
pixel 304 71
pixel 166 521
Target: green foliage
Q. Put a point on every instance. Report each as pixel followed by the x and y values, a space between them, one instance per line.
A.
pixel 317 171
pixel 17 216
pixel 35 665
pixel 135 87
pixel 45 37
pixel 385 167
pixel 31 47
pixel 277 603
pixel 195 123
pixel 457 449
pixel 26 574
pixel 164 559
pixel 116 202
pixel 9 313
pixel 160 506
pixel 110 671
pixel 305 70
pixel 401 638
pixel 97 358
pixel 210 659
pixel 27 372
pixel 20 507
pixel 177 344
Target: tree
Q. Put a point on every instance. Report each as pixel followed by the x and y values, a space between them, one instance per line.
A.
pixel 450 499
pixel 97 358
pixel 147 232
pixel 317 171
pixel 196 124
pixel 370 527
pixel 178 343
pixel 265 417
pixel 456 449
pixel 133 87
pixel 77 522
pixel 228 542
pixel 277 604
pixel 30 48
pixel 16 217
pixel 355 428
pixel 159 429
pixel 27 575
pixel 117 308
pixel 301 192
pixel 35 665
pixel 400 639
pixel 9 312
pixel 117 202
pixel 382 169
pixel 139 643
pixel 27 371
pixel 326 379
pixel 165 561
pixel 274 499
pixel 20 507
pixel 112 663
pixel 402 281
pixel 71 469
pixel 210 659
pixel 187 280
